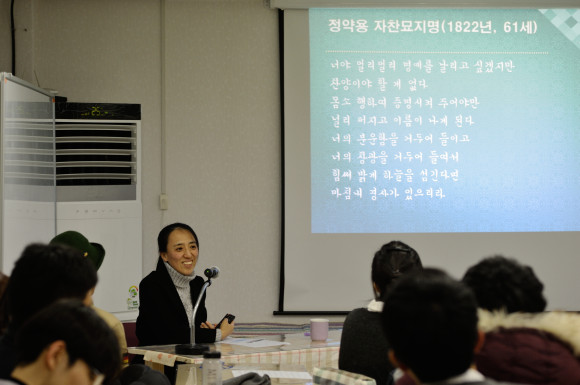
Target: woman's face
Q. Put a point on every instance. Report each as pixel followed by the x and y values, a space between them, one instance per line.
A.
pixel 181 252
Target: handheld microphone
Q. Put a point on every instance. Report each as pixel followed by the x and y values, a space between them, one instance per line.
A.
pixel 212 272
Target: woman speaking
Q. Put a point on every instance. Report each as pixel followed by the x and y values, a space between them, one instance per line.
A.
pixel 168 295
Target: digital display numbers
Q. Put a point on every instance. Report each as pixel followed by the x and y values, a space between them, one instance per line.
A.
pixel 97 112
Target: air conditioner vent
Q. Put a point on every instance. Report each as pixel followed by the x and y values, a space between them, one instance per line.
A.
pixel 28 155
pixel 96 154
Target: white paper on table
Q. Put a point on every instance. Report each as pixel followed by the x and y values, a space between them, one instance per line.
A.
pixel 275 374
pixel 253 342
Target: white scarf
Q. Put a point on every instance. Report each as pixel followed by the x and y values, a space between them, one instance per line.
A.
pixel 375 306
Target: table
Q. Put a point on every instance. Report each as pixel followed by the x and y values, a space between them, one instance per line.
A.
pixel 299 351
pixel 191 374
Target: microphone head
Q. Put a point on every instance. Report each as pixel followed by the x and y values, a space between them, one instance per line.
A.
pixel 212 272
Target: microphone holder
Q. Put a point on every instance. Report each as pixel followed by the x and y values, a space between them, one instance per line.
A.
pixel 192 348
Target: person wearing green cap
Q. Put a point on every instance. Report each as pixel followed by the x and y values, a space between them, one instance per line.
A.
pixel 95 253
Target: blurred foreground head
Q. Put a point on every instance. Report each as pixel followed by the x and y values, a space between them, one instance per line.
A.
pixel 430 320
pixel 67 342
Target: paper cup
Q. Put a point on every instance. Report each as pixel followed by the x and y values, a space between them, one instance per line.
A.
pixel 318 329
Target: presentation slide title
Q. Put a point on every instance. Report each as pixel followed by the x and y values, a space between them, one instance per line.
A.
pixel 529 27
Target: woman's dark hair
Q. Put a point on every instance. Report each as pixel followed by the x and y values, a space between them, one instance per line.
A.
pixel 163 236
pixel 390 262
pixel 504 283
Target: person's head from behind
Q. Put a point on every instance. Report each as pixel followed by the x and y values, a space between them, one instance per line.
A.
pixel 392 261
pixel 430 321
pixel 66 343
pixel 179 247
pixel 44 274
pixel 501 283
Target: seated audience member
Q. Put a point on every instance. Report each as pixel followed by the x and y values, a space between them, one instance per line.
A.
pixel 430 321
pixel 95 253
pixel 522 344
pixel 65 343
pixel 363 345
pixel 42 275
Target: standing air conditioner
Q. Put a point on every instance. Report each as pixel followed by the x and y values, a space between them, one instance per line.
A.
pixel 27 181
pixel 98 179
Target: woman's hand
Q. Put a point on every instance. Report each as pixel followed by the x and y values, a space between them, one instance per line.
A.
pixel 226 328
pixel 207 325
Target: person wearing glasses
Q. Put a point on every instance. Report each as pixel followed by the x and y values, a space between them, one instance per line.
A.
pixel 42 275
pixel 65 343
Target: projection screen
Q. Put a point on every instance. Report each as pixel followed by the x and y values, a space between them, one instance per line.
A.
pixel 455 130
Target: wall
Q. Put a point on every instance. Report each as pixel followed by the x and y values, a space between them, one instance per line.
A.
pixel 218 74
pixel 23 26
